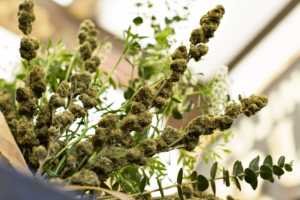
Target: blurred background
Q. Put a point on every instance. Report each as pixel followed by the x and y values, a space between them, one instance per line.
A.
pixel 258 40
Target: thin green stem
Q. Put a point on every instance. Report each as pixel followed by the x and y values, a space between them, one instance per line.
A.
pixel 71 66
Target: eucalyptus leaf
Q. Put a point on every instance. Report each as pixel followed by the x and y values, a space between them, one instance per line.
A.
pixel 277 170
pixel 176 114
pixel 213 186
pixel 237 183
pixel 175 100
pixel 213 171
pixel 268 161
pixel 254 185
pixel 281 161
pixel 138 21
pixel 265 172
pixel 250 176
pixel 180 194
pixel 254 164
pixel 202 183
pixel 227 178
pixel 288 167
pixel 194 178
pixel 180 176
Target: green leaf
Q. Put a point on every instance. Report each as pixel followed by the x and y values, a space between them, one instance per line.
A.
pixel 54 83
pixel 250 176
pixel 254 185
pixel 128 93
pixel 238 169
pixel 213 186
pixel 189 107
pixel 160 188
pixel 227 178
pixel 271 179
pixel 224 175
pixel 202 183
pixel 213 171
pixel 212 139
pixel 281 161
pixel 268 161
pixel 175 100
pixel 265 172
pixel 254 164
pixel 240 97
pixel 237 183
pixel 288 167
pixel 49 43
pixel 143 184
pixel 226 151
pixel 168 21
pixel 277 170
pixel 115 186
pixel 112 82
pixel 103 185
pixel 194 178
pixel 180 176
pixel 200 74
pixel 21 76
pixel 138 21
pixel 176 114
pixel 117 154
pixel 180 193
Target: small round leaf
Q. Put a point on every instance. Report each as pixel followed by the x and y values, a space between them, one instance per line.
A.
pixel 288 167
pixel 265 172
pixel 281 161
pixel 203 183
pixel 138 21
pixel 278 170
pixel 250 176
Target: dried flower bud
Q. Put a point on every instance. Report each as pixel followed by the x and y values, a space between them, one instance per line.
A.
pixel 71 162
pixel 37 81
pixel 82 149
pixel 170 134
pixel 201 125
pixel 130 123
pixel 175 76
pixel 85 51
pixel 108 121
pixel 197 36
pixel 133 154
pixel 63 89
pixel 143 95
pixel 128 142
pixel 89 98
pixel 80 81
pixel 187 191
pixel 92 64
pixel 179 65
pixel 64 119
pixel 56 101
pixel 44 117
pixel 160 143
pixel 198 52
pixel 117 161
pixel 106 165
pixel 52 132
pixel 224 122
pixel 23 94
pixel 25 135
pixel 43 135
pixel 159 103
pixel 144 197
pixel 77 111
pixel 137 107
pixel 41 153
pixel 27 108
pixel 26 16
pixel 149 146
pixel 180 53
pixel 190 141
pixel 144 118
pixel 28 48
pixel 115 136
pixel 167 92
pixel 253 104
pixel 85 177
pixel 233 110
pixel 99 138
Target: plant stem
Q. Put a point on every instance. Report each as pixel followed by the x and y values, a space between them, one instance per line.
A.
pixel 71 66
pixel 27 75
pixel 159 91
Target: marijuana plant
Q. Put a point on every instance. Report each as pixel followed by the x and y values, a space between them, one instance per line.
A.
pixel 54 100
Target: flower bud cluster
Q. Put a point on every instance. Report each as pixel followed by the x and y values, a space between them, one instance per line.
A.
pixel 6 106
pixel 164 95
pixel 106 128
pixel 85 178
pixel 26 16
pixel 209 24
pixel 179 64
pixel 80 82
pixel 28 48
pixel 63 89
pixel 63 120
pixel 89 98
pixel 26 138
pixel 82 150
pixel 139 117
pixel 37 81
pixel 27 106
pixel 88 43
pixel 253 104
